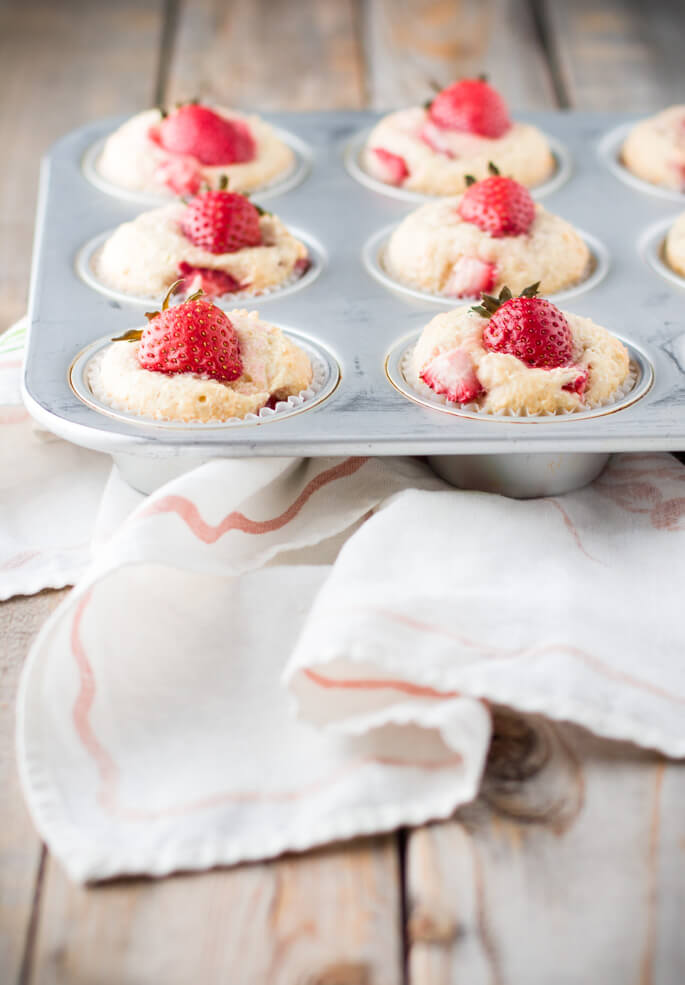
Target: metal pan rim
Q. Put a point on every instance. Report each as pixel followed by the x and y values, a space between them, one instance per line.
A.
pixel 317 254
pixel 279 186
pixel 609 149
pixel 317 352
pixel 638 358
pixel 375 246
pixel 354 146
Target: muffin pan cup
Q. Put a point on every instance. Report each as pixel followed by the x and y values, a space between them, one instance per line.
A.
pixel 374 261
pixel 358 321
pixel 278 186
pixel 87 256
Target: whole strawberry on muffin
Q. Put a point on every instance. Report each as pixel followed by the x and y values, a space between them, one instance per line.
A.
pixel 432 149
pixel 494 234
pixel 176 152
pixel 654 150
pixel 195 362
pixel 219 241
pixel 520 356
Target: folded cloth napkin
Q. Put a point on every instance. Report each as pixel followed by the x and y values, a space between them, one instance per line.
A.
pixel 156 717
pixel 50 491
pixel 154 730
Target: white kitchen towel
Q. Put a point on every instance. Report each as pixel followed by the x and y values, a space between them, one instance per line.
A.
pixel 154 735
pixel 50 491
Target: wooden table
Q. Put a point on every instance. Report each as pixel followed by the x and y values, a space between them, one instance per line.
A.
pixel 570 867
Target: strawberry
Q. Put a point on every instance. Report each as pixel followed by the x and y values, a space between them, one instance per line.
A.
pixel 214 283
pixel 435 138
pixel 205 135
pixel 182 175
pixel 221 222
pixel 578 385
pixel 471 105
pixel 192 337
pixel 499 206
pixel 470 277
pixel 528 327
pixel 452 373
pixel 389 167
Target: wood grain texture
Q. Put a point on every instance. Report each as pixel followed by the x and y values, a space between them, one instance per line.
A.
pixel 569 868
pixel 269 54
pixel 62 64
pixel 20 620
pixel 331 917
pixel 412 44
pixel 619 54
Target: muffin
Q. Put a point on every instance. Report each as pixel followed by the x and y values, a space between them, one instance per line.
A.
pixel 194 362
pixel 432 149
pixel 674 247
pixel 219 242
pixel 492 235
pixel 518 356
pixel 177 152
pixel 654 150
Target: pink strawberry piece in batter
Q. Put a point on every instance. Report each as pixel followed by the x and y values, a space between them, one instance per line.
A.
pixel 433 137
pixel 181 176
pixel 470 277
pixel 213 282
pixel 579 384
pixel 302 266
pixel 453 374
pixel 392 169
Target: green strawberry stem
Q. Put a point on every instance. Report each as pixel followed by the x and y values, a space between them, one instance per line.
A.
pixel 489 304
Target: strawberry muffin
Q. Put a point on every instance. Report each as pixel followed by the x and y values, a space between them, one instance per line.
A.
pixel 674 247
pixel 492 235
pixel 219 242
pixel 432 149
pixel 518 356
pixel 195 362
pixel 654 150
pixel 157 152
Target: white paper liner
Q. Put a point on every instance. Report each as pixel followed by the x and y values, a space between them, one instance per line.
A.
pixel 321 372
pixel 473 409
pixel 230 296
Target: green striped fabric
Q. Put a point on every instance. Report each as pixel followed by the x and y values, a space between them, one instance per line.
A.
pixel 13 339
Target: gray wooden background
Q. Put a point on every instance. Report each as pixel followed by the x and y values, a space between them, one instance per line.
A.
pixel 570 868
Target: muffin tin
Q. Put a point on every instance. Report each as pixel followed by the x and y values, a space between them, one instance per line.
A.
pixel 360 326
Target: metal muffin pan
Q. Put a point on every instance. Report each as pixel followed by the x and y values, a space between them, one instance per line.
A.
pixel 359 321
pixel 86 256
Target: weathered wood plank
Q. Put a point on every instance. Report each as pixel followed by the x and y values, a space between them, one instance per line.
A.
pixel 330 917
pixel 413 43
pixel 20 846
pixel 269 54
pixel 619 54
pixel 569 868
pixel 62 65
